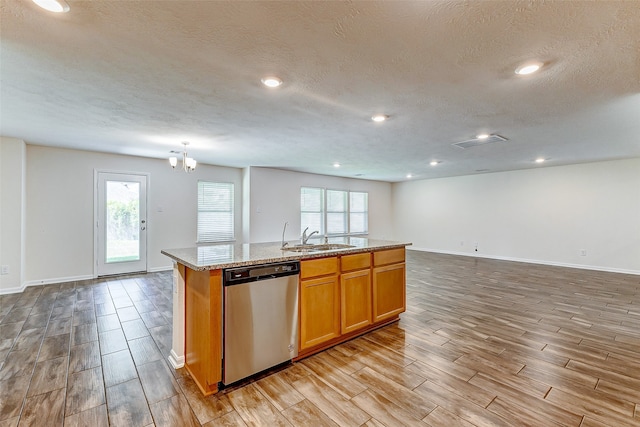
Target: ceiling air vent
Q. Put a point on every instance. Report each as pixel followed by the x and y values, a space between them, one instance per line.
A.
pixel 479 141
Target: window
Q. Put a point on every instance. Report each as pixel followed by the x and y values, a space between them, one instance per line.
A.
pixel 334 212
pixel 215 212
pixel 358 212
pixel 312 209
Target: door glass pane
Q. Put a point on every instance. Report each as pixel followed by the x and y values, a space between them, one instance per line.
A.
pixel 123 221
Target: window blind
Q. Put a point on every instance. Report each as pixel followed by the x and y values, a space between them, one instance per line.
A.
pixel 215 211
pixel 358 212
pixel 336 212
pixel 312 209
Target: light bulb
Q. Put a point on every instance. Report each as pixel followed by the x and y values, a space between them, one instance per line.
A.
pixel 528 68
pixel 57 6
pixel 271 81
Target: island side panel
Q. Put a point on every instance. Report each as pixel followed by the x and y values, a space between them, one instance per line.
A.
pixel 176 356
pixel 203 328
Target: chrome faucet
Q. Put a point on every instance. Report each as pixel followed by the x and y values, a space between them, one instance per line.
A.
pixel 304 237
pixel 283 230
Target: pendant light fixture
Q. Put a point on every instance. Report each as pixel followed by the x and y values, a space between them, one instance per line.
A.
pixel 188 163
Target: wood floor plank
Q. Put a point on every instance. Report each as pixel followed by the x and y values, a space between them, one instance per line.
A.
pixel 94 417
pixel 205 408
pixel 46 408
pixel 514 400
pixel 144 350
pixel 108 322
pixel 127 406
pixel 384 410
pixel 53 347
pixel 441 417
pixel 415 404
pixel 118 367
pixel 255 409
pixel 17 364
pixel 158 383
pixel 333 376
pixel 231 419
pixel 84 356
pixel 463 388
pixel 84 333
pixel 112 341
pixel 279 391
pixel 459 406
pixel 12 394
pixel 340 410
pixel 596 404
pixel 85 390
pixel 49 375
pixel 134 329
pixel 346 364
pixel 174 411
pixel 29 340
pixel 305 413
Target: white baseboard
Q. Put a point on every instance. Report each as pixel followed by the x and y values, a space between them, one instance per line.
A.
pixel 13 290
pixel 57 280
pixel 176 361
pixel 18 289
pixel 530 261
pixel 43 282
pixel 159 269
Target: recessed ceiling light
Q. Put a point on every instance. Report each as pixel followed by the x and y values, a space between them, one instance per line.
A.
pixel 528 68
pixel 434 163
pixel 379 117
pixel 482 136
pixel 409 176
pixel 271 81
pixel 336 165
pixel 540 160
pixel 57 6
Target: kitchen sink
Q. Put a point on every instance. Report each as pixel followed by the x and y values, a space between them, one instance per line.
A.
pixel 317 248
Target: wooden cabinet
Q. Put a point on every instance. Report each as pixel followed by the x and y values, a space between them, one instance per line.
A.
pixel 203 326
pixel 389 298
pixel 355 292
pixel 319 301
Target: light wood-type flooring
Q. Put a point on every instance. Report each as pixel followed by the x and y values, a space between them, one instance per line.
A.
pixel 483 343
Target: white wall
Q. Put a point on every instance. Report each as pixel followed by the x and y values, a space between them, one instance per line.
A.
pixel 12 212
pixel 275 198
pixel 60 197
pixel 545 215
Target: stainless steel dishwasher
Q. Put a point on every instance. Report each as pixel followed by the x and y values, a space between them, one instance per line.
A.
pixel 260 318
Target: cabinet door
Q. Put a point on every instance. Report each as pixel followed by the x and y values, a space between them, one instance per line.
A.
pixel 319 310
pixel 355 300
pixel 388 291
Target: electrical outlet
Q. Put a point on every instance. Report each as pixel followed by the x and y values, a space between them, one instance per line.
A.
pixel 583 252
pixel 5 270
pixel 476 246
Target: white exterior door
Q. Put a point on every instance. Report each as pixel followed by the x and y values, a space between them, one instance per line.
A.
pixel 121 223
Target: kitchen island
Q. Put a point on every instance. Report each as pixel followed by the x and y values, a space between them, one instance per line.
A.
pixel 354 286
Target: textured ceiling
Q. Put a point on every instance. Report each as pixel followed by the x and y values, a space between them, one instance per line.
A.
pixel 139 77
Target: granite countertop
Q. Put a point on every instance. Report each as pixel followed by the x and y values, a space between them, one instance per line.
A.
pixel 227 255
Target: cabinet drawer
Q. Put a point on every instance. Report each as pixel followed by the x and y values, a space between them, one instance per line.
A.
pixel 318 267
pixel 355 262
pixel 390 256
